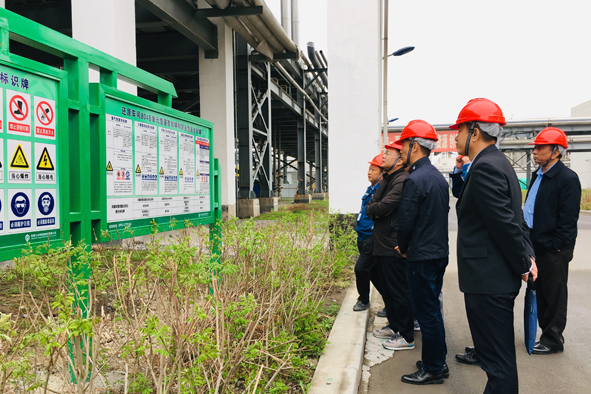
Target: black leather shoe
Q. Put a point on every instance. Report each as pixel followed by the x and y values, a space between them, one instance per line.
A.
pixel 444 371
pixel 382 313
pixel 421 377
pixel 470 358
pixel 360 306
pixel 543 349
pixel 469 349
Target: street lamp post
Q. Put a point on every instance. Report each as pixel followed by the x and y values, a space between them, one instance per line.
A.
pixel 400 52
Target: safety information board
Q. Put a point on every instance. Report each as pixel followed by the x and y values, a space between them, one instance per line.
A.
pixel 157 166
pixel 29 192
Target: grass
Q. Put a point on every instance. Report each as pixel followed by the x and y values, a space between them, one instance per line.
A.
pixel 586 200
pixel 297 209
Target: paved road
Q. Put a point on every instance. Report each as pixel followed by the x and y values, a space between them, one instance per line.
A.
pixel 568 372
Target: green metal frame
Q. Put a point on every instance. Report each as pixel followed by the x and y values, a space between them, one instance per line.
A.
pixel 79 113
pixel 80 135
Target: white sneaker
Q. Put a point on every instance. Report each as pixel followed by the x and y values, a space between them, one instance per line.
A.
pixel 385 332
pixel 417 327
pixel 397 342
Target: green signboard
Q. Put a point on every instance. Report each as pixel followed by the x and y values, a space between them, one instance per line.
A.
pixel 29 165
pixel 158 164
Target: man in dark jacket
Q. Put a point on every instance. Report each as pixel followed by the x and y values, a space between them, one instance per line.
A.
pixel 365 270
pixel 551 211
pixel 494 252
pixel 383 210
pixel 423 238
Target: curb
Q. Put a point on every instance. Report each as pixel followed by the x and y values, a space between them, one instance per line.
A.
pixel 339 367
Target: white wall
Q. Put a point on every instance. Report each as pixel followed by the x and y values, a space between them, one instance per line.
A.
pixel 580 162
pixel 109 26
pixel 581 110
pixel 216 89
pixel 354 58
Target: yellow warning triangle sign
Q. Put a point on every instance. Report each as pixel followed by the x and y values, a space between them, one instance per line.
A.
pixel 138 170
pixel 161 171
pixel 19 160
pixel 109 166
pixel 181 172
pixel 45 162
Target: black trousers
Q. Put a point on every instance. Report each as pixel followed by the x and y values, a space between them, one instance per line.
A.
pixel 365 270
pixel 490 317
pixel 426 279
pixel 396 295
pixel 552 295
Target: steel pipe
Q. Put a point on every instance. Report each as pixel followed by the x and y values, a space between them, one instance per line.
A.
pixel 275 27
pixel 294 83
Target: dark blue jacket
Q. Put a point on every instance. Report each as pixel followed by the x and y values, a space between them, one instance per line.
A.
pixel 423 211
pixel 364 223
pixel 556 211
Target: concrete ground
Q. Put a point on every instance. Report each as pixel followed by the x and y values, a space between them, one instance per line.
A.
pixel 567 372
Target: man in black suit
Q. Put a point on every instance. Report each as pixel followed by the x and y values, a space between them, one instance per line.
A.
pixel 494 252
pixel 551 211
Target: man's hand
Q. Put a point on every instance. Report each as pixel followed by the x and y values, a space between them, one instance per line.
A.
pixel 398 250
pixel 461 160
pixel 533 271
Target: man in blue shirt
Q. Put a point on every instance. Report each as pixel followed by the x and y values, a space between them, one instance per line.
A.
pixel 551 212
pixel 365 266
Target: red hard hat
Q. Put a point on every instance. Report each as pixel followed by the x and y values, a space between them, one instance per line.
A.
pixel 480 109
pixel 551 136
pixel 394 145
pixel 378 160
pixel 418 129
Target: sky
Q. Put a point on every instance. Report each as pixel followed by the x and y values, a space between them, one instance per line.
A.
pixel 533 58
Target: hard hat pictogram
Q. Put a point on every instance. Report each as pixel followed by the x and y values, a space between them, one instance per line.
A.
pixel 138 169
pixel 109 166
pixel 45 162
pixel 19 160
pixel 44 113
pixel 19 107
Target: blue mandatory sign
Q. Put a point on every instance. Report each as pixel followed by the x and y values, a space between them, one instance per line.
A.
pixel 46 203
pixel 20 204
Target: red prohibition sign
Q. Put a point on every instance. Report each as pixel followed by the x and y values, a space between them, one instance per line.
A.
pixel 21 110
pixel 44 115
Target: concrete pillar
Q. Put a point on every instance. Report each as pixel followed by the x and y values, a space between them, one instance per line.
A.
pixel 216 89
pixel 107 25
pixel 354 42
pixel 248 208
pixel 269 204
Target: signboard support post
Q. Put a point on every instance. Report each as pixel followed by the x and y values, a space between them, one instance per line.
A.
pixel 80 185
pixel 215 228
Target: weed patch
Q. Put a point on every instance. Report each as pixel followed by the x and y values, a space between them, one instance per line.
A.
pixel 165 320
